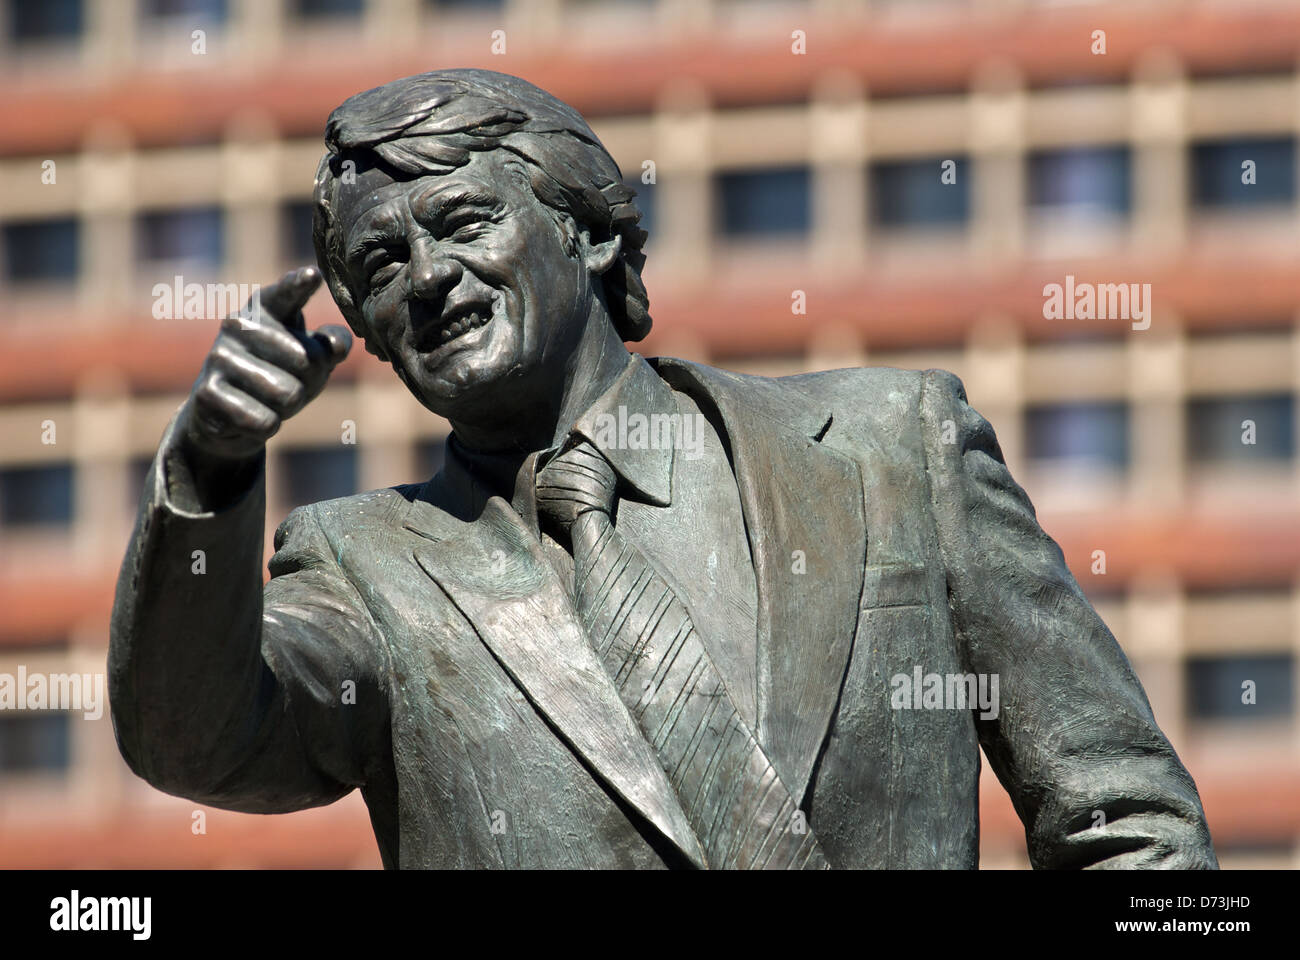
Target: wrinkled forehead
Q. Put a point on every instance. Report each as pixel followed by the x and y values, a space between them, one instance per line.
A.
pixel 374 194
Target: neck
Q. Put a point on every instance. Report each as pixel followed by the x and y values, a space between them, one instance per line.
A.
pixel 590 370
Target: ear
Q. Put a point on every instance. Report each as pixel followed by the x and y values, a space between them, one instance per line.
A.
pixel 598 257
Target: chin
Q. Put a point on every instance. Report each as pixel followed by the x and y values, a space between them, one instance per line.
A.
pixel 447 388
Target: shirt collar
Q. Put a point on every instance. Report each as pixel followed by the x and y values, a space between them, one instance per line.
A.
pixel 636 425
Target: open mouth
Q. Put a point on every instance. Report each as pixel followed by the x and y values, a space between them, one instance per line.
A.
pixel 454 325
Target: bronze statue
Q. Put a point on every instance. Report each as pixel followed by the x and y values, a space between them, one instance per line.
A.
pixel 650 613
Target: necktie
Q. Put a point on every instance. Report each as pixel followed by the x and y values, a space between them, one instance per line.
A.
pixel 743 814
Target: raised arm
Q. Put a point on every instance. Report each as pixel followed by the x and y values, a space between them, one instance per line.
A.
pixel 215 694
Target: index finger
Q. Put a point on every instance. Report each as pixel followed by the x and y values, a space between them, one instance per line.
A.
pixel 285 298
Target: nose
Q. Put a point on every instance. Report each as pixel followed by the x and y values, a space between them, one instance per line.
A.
pixel 432 274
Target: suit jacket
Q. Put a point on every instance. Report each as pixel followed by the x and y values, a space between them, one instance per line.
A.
pixel 431 657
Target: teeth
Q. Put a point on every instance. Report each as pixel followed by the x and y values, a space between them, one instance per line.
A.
pixel 463 325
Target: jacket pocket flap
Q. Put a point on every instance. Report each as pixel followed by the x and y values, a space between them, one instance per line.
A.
pixel 894 585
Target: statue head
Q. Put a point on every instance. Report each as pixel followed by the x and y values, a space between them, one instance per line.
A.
pixel 471 227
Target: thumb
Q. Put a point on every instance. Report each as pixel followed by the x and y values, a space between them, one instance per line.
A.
pixel 337 341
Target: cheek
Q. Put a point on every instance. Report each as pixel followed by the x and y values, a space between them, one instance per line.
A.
pixel 488 263
pixel 528 251
pixel 497 257
pixel 383 312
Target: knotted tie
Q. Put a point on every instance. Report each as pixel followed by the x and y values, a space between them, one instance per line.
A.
pixel 743 814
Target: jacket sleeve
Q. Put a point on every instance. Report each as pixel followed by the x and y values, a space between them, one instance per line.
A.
pixel 1074 735
pixel 263 701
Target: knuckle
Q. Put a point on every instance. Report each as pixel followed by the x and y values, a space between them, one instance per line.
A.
pixel 294 394
pixel 208 392
pixel 224 353
pixel 267 423
pixel 296 359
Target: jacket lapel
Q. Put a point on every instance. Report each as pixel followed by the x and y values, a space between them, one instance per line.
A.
pixel 805 519
pixel 493 570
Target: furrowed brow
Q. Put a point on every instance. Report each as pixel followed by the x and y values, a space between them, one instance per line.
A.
pixel 442 204
pixel 375 236
pixel 379 234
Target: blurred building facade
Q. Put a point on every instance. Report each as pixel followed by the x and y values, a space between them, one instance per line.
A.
pixel 826 183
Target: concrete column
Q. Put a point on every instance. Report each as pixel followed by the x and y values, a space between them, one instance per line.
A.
pixel 251 201
pixel 995 357
pixel 258 26
pixel 541 21
pixel 1156 613
pixel 103 178
pixel 834 343
pixel 1157 395
pixel 111 27
pixel 686 16
pixel 1158 134
pixel 96 775
pixel 394 21
pixel 997 146
pixel 100 439
pixel 839 186
pixel 990 9
pixel 684 189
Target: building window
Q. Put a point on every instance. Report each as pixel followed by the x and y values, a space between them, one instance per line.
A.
pixel 920 192
pixel 326 8
pixel 1089 181
pixel 295 226
pixel 211 11
pixel 763 203
pixel 1216 687
pixel 322 473
pixel 1094 434
pixel 34 740
pixel 36 496
pixel 45 19
pixel 1218 168
pixel 1242 429
pixel 41 251
pixel 192 237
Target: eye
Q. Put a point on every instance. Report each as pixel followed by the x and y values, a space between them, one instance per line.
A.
pixel 384 274
pixel 381 265
pixel 465 226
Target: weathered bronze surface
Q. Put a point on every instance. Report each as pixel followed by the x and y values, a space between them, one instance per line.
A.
pixel 650 613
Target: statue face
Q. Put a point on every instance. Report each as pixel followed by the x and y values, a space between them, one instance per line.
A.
pixel 465 283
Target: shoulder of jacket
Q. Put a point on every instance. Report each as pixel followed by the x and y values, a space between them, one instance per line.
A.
pixel 351 513
pixel 879 397
pixel 866 388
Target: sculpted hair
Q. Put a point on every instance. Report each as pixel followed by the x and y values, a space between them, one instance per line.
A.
pixel 430 123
